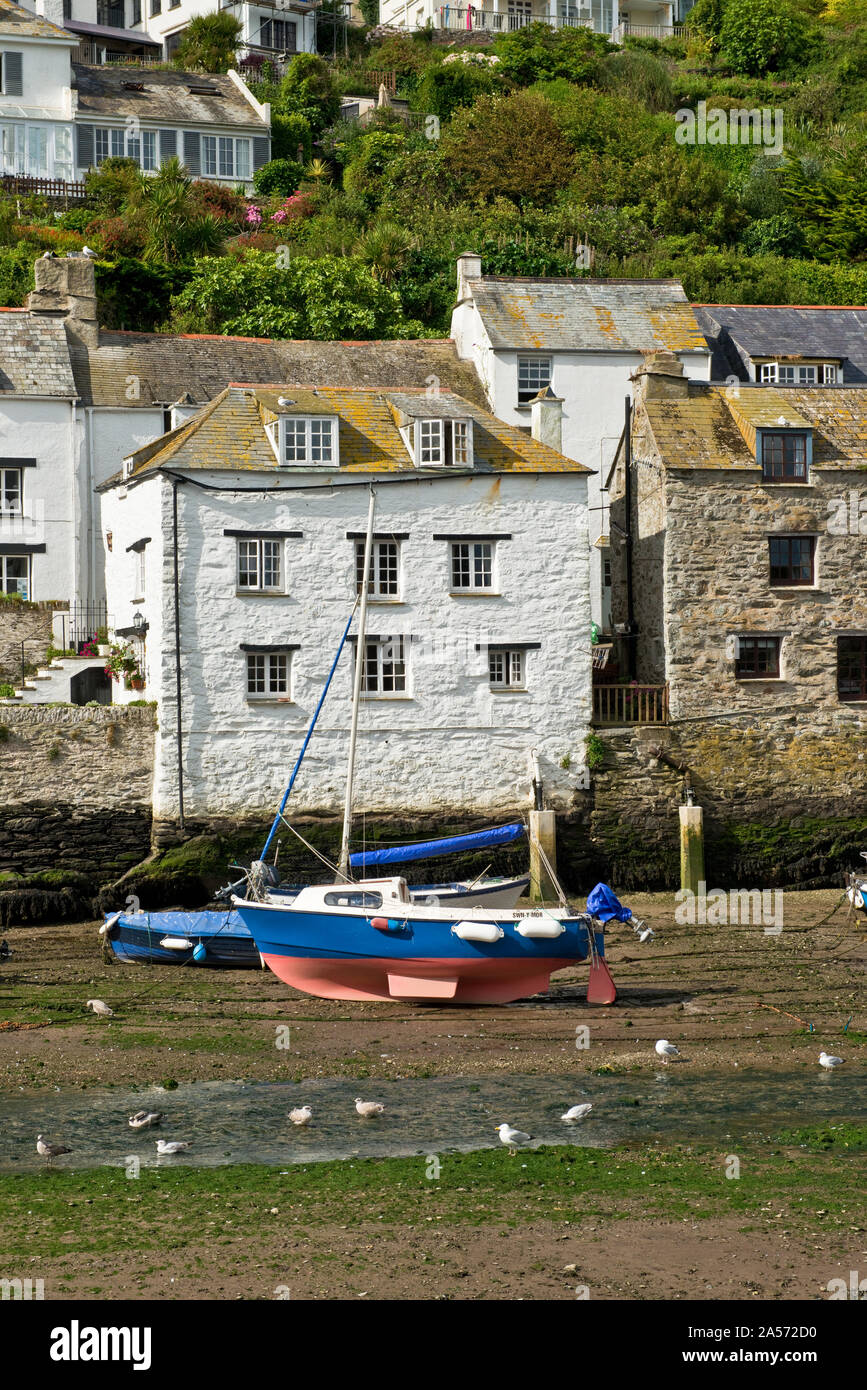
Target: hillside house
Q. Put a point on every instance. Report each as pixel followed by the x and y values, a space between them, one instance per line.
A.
pixel 786 345
pixel 742 518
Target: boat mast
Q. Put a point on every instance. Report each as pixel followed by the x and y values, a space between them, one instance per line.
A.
pixel 343 862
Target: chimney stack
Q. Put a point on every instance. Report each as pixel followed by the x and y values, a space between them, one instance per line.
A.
pixel 66 288
pixel 661 378
pixel 546 419
pixel 469 268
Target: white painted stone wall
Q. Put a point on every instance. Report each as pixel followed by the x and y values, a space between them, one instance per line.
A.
pixel 46 430
pixel 594 387
pixel 131 515
pixel 453 744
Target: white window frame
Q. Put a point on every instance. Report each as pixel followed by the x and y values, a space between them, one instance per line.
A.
pixel 308 439
pixel 829 374
pixel 441 442
pixel 507 668
pixel 385 665
pixel 529 367
pixel 140 571
pixel 17 509
pixel 382 573
pixel 271 670
pixel 476 566
pixel 27 578
pixel 265 550
pixel 798 373
pixel 226 157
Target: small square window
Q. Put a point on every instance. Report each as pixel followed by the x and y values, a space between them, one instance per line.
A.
pixel 472 566
pixel 15 575
pixel 534 374
pixel 784 458
pixel 852 668
pixel 268 675
pixel 309 440
pixel 791 559
pixel 383 578
pixel 758 658
pixel 384 669
pixel 11 491
pixel 260 565
pixel 506 668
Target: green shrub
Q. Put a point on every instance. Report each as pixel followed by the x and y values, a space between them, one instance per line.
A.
pixel 278 176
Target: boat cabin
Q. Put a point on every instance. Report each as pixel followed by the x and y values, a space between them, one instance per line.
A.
pixel 369 893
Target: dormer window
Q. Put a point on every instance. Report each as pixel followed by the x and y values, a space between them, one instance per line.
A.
pixel 798 374
pixel 308 441
pixel 784 457
pixel 441 443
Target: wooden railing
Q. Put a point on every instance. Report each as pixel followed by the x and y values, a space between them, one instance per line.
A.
pixel 22 185
pixel 630 704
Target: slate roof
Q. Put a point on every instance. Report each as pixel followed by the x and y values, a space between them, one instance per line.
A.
pixel 168 367
pixel 20 23
pixel 521 312
pixel 34 355
pixel 736 332
pixel 230 433
pixel 104 92
pixel 706 431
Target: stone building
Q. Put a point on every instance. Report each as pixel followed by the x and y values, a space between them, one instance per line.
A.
pixel 476 647
pixel 745 531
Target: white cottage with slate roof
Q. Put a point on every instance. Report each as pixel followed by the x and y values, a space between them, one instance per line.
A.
pixel 581 341
pixel 476 635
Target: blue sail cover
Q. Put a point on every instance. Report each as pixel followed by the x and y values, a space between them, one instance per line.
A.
pixel 432 849
pixel 602 903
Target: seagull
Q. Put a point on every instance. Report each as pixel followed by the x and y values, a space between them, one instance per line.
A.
pixel 174 1146
pixel 512 1137
pixel 301 1115
pixel 49 1151
pixel 576 1112
pixel 829 1063
pixel 100 1008
pixel 143 1119
pixel 91 255
pixel 367 1108
pixel 665 1049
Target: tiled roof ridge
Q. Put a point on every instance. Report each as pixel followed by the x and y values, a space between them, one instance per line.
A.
pixel 239 338
pixel 571 280
pixel 700 304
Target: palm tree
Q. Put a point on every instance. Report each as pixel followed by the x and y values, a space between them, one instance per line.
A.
pixel 173 226
pixel 385 247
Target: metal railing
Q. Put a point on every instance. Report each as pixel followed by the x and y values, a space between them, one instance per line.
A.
pixel 453 17
pixel 94 56
pixel 646 31
pixel 630 704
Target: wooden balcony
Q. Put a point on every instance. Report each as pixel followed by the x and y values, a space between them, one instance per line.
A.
pixel 630 704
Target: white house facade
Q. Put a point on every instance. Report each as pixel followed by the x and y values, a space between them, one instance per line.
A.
pixel 616 18
pixel 37 103
pixel 477 650
pixel 583 339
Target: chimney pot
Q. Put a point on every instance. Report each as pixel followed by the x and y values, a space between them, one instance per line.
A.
pixel 469 268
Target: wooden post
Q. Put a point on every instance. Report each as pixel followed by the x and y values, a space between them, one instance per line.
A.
pixel 691 848
pixel 543 831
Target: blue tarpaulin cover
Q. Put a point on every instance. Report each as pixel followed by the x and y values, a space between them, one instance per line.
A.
pixel 602 903
pixel 431 849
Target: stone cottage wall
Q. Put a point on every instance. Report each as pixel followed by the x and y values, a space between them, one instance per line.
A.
pixel 27 622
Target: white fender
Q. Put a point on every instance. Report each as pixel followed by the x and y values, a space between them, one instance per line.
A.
pixel 109 924
pixel 176 943
pixel 477 931
pixel 542 927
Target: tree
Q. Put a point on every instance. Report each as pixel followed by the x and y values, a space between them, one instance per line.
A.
pixel 706 18
pixel 537 52
pixel 759 36
pixel 445 88
pixel 510 146
pixel 308 90
pixel 167 210
pixel 259 296
pixel 385 247
pixel 210 43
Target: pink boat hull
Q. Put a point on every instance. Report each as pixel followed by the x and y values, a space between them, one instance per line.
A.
pixel 442 980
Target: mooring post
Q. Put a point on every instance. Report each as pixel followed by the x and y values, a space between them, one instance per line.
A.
pixel 543 836
pixel 691 848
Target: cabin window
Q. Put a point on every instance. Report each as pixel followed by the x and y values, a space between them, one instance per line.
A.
pixel 758 658
pixel 784 458
pixel 353 899
pixel 506 668
pixel 260 566
pixel 792 559
pixel 309 440
pixel 472 566
pixel 384 669
pixel 383 580
pixel 852 668
pixel 11 491
pixel 534 374
pixel 268 675
pixel 15 575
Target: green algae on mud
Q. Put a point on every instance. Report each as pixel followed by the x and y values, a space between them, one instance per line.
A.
pixel 172 1207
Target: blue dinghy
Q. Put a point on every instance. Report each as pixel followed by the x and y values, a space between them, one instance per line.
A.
pixel 181 938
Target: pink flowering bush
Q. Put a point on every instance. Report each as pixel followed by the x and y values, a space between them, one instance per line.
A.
pixel 294 208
